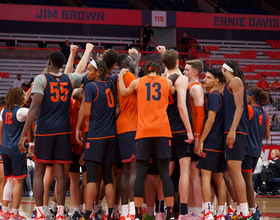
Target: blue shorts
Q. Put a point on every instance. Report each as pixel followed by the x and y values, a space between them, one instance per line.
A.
pixel 127 146
pixel 53 149
pixel 179 147
pixel 213 161
pixel 237 150
pixel 249 163
pixel 100 150
pixel 160 146
pixel 15 165
pixel 75 166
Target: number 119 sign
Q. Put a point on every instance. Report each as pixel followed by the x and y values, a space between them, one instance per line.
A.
pixel 158 18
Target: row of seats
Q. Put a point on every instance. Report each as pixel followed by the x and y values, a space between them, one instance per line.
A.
pixel 211 48
pixel 272 54
pixel 251 67
pixel 240 56
pixel 203 55
pixel 275 44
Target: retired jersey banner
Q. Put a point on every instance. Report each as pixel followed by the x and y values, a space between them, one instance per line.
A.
pixel 228 21
pixel 34 13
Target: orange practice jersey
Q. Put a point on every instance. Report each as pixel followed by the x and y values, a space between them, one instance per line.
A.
pixel 152 99
pixel 192 106
pixel 73 113
pixel 127 120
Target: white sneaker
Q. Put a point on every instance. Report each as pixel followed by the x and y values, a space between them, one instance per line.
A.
pixel 208 216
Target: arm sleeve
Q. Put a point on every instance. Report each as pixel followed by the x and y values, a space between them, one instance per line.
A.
pixel 199 120
pixel 90 92
pixel 39 84
pixel 251 112
pixel 1 119
pixel 214 102
pixel 77 79
pixel 22 114
pixel 267 120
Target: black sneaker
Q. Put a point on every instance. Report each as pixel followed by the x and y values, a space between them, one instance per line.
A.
pixel 256 216
pixel 258 211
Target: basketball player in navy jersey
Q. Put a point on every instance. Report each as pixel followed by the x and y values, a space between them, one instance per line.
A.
pixel 178 115
pixel 52 93
pixel 100 105
pixel 259 129
pixel 12 119
pixel 236 122
pixel 210 147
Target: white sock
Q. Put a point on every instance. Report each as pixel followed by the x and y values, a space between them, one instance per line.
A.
pixel 5 208
pixel 244 209
pixel 53 205
pixel 150 211
pixel 191 209
pixel 253 210
pixel 95 208
pixel 81 208
pixel 221 210
pixel 144 205
pixel 238 210
pixel 132 208
pixel 84 208
pixel 40 211
pixel 206 207
pixel 198 210
pixel 124 210
pixel 235 204
pixel 116 209
pixel 15 211
pixel 60 210
pixel 76 209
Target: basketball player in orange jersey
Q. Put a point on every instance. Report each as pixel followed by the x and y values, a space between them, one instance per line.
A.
pixel 126 130
pixel 181 131
pixel 193 70
pixel 153 131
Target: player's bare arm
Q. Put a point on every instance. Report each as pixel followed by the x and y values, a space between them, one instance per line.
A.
pixel 181 87
pixel 83 62
pixel 35 105
pixel 125 92
pixel 238 93
pixel 206 129
pixel 70 61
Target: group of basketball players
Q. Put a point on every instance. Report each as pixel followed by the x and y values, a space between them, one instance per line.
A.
pixel 163 135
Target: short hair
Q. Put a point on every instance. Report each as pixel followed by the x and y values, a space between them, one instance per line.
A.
pixel 152 67
pixel 2 100
pixel 276 152
pixel 262 95
pixel 121 60
pixel 196 64
pixel 102 69
pixel 57 58
pixel 169 58
pixel 14 97
pixel 217 73
pixel 110 57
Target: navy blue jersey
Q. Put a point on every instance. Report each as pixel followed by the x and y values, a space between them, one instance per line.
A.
pixel 214 140
pixel 257 124
pixel 53 115
pixel 12 129
pixel 103 96
pixel 229 110
pixel 176 123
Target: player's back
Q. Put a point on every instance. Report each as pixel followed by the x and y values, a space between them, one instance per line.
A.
pixel 53 115
pixel 12 129
pixel 103 117
pixel 152 99
pixel 127 120
pixel 257 125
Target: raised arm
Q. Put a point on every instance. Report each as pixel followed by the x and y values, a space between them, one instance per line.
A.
pixel 83 62
pixel 70 61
